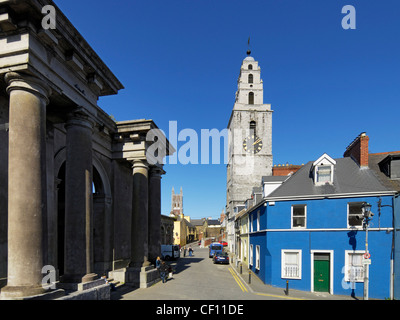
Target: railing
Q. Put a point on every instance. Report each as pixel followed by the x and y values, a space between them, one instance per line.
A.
pixel 291 272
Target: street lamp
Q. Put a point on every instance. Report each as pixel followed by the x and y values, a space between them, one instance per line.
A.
pixel 367 216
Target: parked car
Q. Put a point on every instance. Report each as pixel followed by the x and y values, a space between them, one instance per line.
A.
pixel 221 257
pixel 215 248
pixel 224 243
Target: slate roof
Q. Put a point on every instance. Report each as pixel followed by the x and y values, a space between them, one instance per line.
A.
pixel 374 159
pixel 348 178
pixel 213 222
pixel 197 222
pixel 274 178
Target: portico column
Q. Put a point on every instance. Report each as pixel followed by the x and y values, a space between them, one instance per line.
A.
pixel 78 259
pixel 155 212
pixel 26 184
pixel 139 231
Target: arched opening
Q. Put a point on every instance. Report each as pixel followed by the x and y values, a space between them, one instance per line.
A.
pixel 251 97
pixel 253 128
pixel 101 225
pixel 250 67
pixel 251 78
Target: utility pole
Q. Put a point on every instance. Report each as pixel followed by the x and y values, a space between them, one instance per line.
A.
pixel 366 266
pixel 367 216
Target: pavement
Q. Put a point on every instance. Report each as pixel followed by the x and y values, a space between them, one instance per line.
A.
pixel 255 290
pixel 257 287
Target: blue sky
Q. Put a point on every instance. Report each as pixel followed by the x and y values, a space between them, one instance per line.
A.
pixel 179 60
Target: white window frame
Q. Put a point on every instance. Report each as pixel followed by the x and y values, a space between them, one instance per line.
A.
pixel 323 161
pixel 257 257
pixel 258 220
pixel 251 223
pixel 359 268
pixel 251 255
pixel 348 215
pixel 283 264
pixel 305 217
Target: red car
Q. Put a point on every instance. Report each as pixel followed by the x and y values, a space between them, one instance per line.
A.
pixel 223 243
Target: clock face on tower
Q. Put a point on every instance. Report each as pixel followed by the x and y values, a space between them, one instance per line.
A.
pixel 252 144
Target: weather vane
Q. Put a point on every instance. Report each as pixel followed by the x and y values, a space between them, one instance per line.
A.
pixel 248 45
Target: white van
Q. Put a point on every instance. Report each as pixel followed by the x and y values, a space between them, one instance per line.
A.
pixel 169 251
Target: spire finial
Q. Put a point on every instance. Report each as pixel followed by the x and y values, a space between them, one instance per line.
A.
pixel 248 49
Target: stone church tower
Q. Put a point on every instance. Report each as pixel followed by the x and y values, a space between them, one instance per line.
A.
pixel 250 137
pixel 176 203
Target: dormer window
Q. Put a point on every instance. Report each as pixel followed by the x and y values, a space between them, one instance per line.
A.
pixel 323 173
pixel 323 170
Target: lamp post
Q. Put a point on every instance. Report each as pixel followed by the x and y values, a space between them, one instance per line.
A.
pixel 367 216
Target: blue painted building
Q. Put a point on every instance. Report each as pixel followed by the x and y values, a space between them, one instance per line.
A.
pixel 310 232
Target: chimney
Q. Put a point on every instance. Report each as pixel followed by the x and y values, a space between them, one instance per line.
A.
pixel 358 150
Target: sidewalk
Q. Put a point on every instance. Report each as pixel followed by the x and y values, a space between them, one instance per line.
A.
pixel 257 287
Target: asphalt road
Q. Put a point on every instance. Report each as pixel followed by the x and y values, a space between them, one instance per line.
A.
pixel 196 278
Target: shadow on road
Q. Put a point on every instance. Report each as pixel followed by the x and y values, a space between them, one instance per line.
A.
pixel 178 266
pixel 183 263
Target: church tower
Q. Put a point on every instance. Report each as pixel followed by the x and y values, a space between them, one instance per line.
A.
pixel 176 203
pixel 250 137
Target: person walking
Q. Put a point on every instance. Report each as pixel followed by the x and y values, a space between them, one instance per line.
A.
pixel 158 264
pixel 184 251
pixel 190 251
pixel 163 271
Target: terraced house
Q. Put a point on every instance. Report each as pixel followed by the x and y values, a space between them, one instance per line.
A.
pixel 309 232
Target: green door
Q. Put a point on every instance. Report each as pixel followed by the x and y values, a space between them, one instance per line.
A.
pixel 321 273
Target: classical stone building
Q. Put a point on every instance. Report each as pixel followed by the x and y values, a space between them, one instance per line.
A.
pixel 77 189
pixel 250 141
pixel 167 229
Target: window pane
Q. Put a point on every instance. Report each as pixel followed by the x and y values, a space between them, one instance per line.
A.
pixel 355 267
pixel 354 211
pixel 299 222
pixel 291 258
pixel 324 173
pixel 299 216
pixel 290 266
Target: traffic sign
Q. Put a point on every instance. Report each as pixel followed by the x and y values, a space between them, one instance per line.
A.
pixel 366 261
pixel 367 255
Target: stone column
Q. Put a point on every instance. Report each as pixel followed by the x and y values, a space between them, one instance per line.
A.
pixel 139 231
pixel 26 184
pixel 78 257
pixel 155 213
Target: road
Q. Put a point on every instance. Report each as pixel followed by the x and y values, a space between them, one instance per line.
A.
pixel 196 278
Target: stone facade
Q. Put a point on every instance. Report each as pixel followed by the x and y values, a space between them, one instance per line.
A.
pixel 77 189
pixel 176 203
pixel 250 141
pixel 167 229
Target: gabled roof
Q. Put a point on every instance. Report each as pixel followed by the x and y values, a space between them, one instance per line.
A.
pixel 197 222
pixel 348 179
pixel 323 159
pixel 213 222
